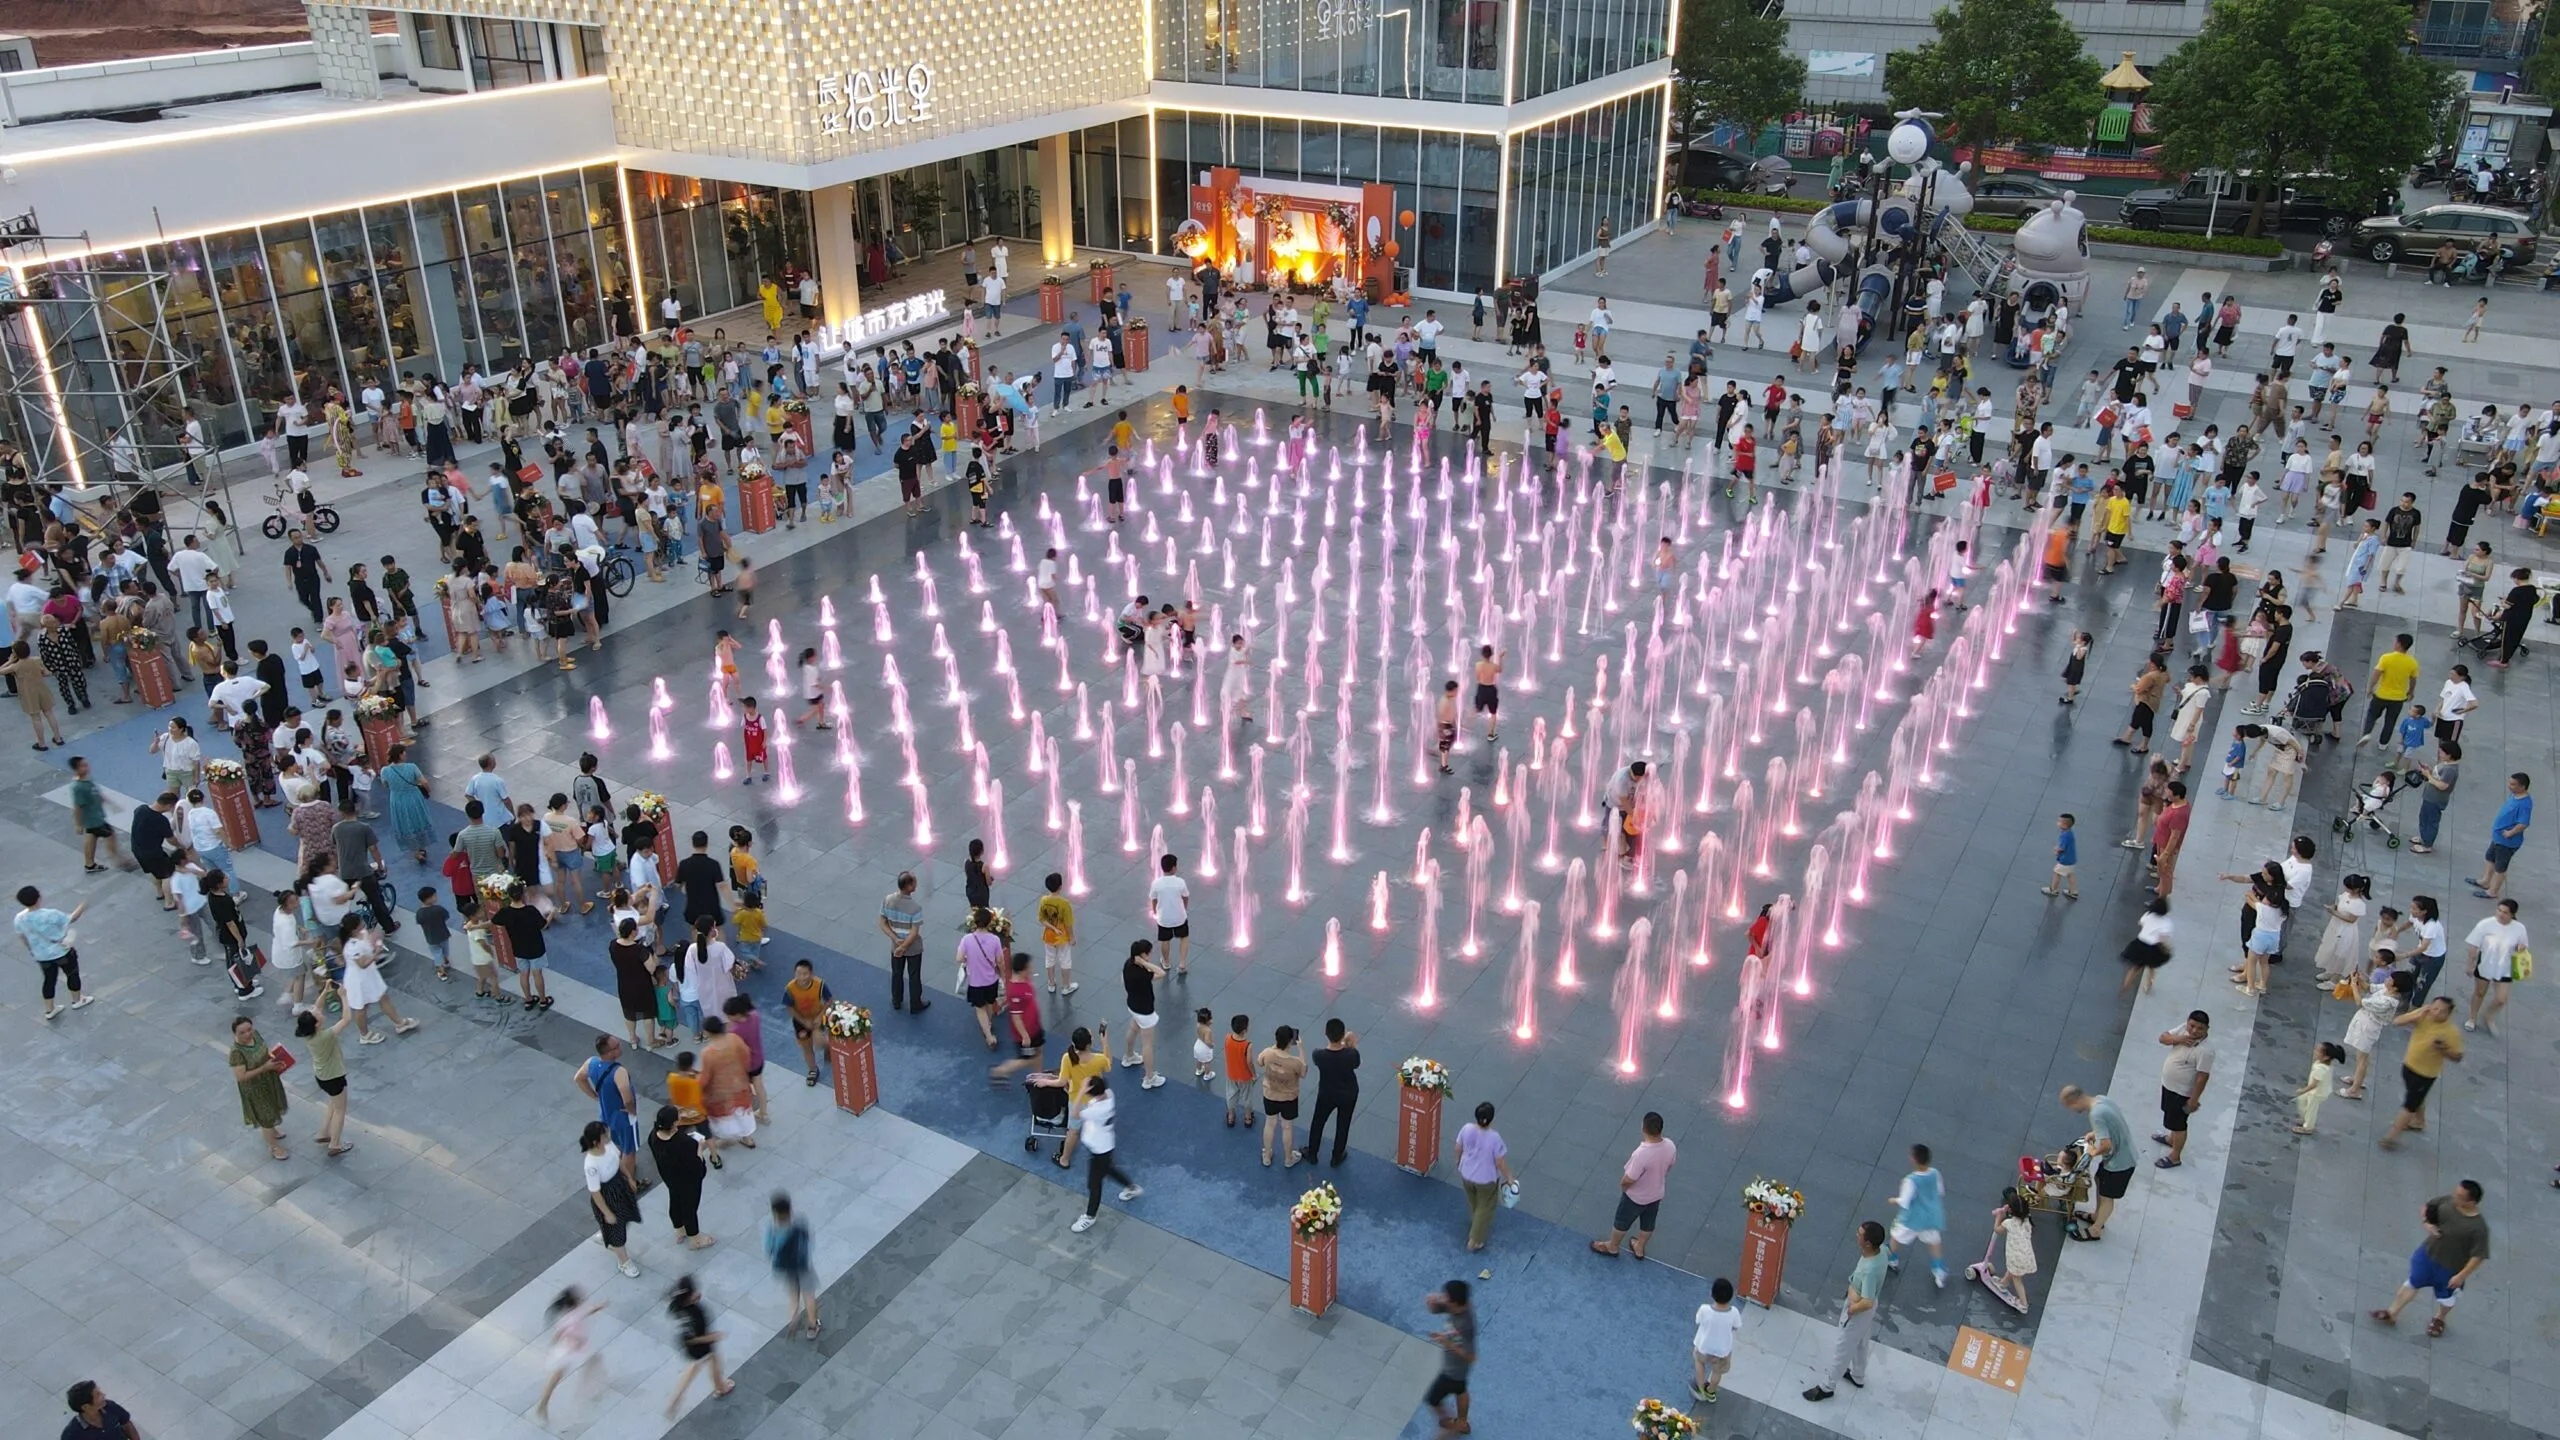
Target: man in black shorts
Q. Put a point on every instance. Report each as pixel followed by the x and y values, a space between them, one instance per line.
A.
pixel 1457 1355
pixel 1169 905
pixel 1489 687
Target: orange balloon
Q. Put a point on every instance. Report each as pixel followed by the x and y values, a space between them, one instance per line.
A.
pixel 1405 219
pixel 1394 249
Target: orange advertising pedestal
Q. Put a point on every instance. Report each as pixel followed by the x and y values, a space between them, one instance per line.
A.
pixel 1417 1128
pixel 857 1082
pixel 1134 346
pixel 231 805
pixel 755 504
pixel 977 362
pixel 1100 275
pixel 1053 301
pixel 154 677
pixel 665 820
pixel 1315 1271
pixel 381 732
pixel 1764 1258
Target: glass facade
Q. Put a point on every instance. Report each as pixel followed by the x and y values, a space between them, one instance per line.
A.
pixel 712 242
pixel 1569 176
pixel 1564 43
pixel 354 297
pixel 1450 182
pixel 1422 50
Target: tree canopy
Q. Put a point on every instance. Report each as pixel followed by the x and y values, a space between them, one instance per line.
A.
pixel 1733 63
pixel 2001 70
pixel 2322 92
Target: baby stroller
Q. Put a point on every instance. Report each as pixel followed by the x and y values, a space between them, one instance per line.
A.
pixel 2061 1183
pixel 2369 816
pixel 1048 1109
pixel 2309 708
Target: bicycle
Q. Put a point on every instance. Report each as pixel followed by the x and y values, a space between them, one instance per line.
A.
pixel 289 515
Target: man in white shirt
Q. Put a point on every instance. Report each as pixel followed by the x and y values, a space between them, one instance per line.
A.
pixel 1098 354
pixel 1169 903
pixel 1533 392
pixel 995 304
pixel 1426 335
pixel 809 297
pixel 191 443
pixel 193 567
pixel 26 603
pixel 1062 372
pixel 295 418
pixel 2288 342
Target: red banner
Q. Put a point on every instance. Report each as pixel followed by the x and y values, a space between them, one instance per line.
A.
pixel 2067 164
pixel 1417 1129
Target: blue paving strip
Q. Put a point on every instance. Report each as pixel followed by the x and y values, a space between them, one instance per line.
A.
pixel 1565 1336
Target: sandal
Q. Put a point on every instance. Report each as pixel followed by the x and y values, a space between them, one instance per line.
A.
pixel 2436 1326
pixel 1600 1247
pixel 717 1163
pixel 278 1152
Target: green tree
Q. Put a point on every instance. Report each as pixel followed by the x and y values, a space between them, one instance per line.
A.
pixel 2323 93
pixel 2001 70
pixel 1734 64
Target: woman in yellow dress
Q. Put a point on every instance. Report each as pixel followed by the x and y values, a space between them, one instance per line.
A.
pixel 772 295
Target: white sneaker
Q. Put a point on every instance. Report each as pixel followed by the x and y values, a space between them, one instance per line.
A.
pixel 1083 1223
pixel 630 1270
pixel 1133 1192
pixel 1072 987
pixel 1151 1083
pixel 1131 1062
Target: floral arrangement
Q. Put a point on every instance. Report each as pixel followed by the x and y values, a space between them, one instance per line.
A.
pixel 377 707
pixel 1417 1073
pixel 846 1021
pixel 498 890
pixel 1772 1201
pixel 1052 282
pixel 1001 926
pixel 140 641
pixel 651 803
pixel 969 390
pixel 1097 266
pixel 1345 222
pixel 226 772
pixel 1657 1421
pixel 1318 1212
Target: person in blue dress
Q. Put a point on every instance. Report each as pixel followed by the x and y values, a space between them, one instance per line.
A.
pixel 411 826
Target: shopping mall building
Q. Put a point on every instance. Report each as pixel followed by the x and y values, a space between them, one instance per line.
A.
pixel 487 180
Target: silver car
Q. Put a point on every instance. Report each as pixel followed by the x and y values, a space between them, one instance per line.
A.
pixel 2013 195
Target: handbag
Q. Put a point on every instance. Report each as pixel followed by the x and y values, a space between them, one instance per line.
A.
pixel 2521 963
pixel 2200 622
pixel 2343 989
pixel 1943 481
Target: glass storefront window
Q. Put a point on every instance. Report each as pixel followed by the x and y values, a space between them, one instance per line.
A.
pixel 491 275
pixel 613 265
pixel 1570 176
pixel 396 281
pixel 293 263
pixel 354 306
pixel 195 333
pixel 445 281
pixel 1449 51
pixel 538 274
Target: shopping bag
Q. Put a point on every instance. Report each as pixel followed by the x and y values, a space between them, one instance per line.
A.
pixel 1943 481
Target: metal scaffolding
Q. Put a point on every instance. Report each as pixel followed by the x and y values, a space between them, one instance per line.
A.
pixel 92 390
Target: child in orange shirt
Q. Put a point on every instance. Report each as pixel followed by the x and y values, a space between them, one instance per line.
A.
pixel 1241 1089
pixel 1181 416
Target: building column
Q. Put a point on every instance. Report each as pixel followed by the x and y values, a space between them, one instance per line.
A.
pixel 1057 202
pixel 342 42
pixel 839 257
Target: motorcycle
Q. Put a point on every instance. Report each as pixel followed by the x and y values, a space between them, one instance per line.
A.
pixel 1694 208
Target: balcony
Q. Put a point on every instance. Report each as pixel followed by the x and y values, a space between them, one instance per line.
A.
pixel 2475 41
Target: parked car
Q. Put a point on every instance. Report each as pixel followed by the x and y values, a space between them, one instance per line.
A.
pixel 2414 236
pixel 2013 195
pixel 2194 206
pixel 1705 165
